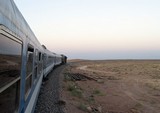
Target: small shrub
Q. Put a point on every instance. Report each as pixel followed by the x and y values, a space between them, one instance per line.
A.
pixel 75 91
pixel 71 87
pixel 98 92
pixel 154 85
pixel 66 77
pixel 82 107
pixel 91 99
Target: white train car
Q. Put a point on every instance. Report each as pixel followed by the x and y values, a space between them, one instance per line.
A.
pixel 23 61
pixel 58 59
pixel 49 61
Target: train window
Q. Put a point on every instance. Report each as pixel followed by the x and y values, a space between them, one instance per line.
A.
pixel 50 60
pixel 10 67
pixel 35 72
pixel 40 64
pixel 29 60
pixel 36 63
pixel 39 56
pixel 44 61
pixel 28 85
pixel 30 54
pixel 9 99
pixel 36 57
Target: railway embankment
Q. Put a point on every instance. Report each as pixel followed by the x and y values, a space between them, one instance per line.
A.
pixel 50 93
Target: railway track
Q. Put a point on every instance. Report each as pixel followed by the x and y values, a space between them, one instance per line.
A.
pixel 79 77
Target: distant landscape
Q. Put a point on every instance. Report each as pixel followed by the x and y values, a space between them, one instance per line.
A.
pixel 111 86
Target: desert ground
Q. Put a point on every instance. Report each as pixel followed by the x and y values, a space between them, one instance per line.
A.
pixel 111 86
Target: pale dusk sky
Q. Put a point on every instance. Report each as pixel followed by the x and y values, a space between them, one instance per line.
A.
pixel 96 29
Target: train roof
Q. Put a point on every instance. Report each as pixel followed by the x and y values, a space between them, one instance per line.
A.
pixel 58 55
pixel 11 18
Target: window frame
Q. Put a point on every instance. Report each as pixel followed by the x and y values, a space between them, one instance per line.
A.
pixel 29 76
pixel 36 62
pixel 12 36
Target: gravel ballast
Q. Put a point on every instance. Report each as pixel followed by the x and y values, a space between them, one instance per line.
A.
pixel 49 96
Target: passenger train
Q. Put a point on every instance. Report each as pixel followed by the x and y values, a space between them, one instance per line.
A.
pixel 24 62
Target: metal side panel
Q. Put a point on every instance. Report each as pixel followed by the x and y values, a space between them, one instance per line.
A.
pixel 34 97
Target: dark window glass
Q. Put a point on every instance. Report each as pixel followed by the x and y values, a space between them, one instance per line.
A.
pixel 9 99
pixel 36 57
pixel 36 63
pixel 44 61
pixel 50 60
pixel 30 54
pixel 10 66
pixel 40 68
pixel 39 56
pixel 10 60
pixel 40 64
pixel 35 72
pixel 28 85
pixel 29 61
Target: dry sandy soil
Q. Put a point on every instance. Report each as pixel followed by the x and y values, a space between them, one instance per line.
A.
pixel 118 86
